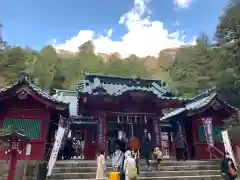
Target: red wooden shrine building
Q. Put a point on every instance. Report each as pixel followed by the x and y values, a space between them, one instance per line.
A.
pixel 190 120
pixel 24 106
pixel 133 105
pixel 108 104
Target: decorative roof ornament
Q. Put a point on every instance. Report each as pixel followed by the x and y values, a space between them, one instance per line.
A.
pixel 135 119
pixel 118 119
pixel 22 94
pixel 130 119
pixel 145 119
pixel 23 76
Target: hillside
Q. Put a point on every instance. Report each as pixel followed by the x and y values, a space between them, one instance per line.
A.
pixel 155 65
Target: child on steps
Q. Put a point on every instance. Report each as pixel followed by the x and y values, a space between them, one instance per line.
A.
pixel 158 155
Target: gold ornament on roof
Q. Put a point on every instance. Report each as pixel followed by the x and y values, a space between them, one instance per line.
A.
pixel 22 94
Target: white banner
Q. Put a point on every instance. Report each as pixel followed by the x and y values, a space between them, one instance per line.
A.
pixel 228 146
pixel 208 129
pixel 55 149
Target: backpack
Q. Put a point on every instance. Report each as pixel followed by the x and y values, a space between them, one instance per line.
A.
pixel 132 171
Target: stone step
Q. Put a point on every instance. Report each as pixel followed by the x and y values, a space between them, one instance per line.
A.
pixel 142 168
pixel 92 163
pixel 205 177
pixel 142 174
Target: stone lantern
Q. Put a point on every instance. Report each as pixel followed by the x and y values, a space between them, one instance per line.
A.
pixel 16 140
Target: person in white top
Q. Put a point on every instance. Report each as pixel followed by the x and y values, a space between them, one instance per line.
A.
pixel 101 166
pixel 130 168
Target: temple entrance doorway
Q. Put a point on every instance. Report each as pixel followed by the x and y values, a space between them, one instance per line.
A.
pixel 85 134
pixel 165 144
pixel 81 143
pixel 114 128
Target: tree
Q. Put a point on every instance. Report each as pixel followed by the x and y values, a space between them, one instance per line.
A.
pixel 195 68
pixel 228 30
pixel 58 77
pixel 87 47
pixel 2 42
pixel 45 67
pixel 228 40
pixel 13 63
pixel 135 67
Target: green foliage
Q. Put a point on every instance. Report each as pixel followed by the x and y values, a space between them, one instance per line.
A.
pixel 194 68
pixel 13 63
pixel 50 69
pixel 199 67
pixel 87 48
pixel 188 70
pixel 228 30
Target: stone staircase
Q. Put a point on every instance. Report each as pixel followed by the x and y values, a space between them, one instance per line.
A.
pixel 170 169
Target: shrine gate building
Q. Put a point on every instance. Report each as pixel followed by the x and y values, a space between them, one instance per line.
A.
pixel 108 104
pixel 25 106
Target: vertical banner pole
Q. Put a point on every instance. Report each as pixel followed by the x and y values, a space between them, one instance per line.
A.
pixel 55 149
pixel 228 146
pixel 207 125
pixel 210 153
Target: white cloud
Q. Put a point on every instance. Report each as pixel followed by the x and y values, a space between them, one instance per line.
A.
pixel 144 36
pixel 183 3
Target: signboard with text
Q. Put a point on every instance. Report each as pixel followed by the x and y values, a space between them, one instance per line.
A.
pixel 228 146
pixel 55 149
pixel 208 129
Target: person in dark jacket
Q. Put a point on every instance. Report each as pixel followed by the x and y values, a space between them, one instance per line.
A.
pixel 228 168
pixel 68 149
pixel 146 149
pixel 111 146
pixel 180 144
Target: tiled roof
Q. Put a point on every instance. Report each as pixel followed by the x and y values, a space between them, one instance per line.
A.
pixel 34 88
pixel 116 86
pixel 203 94
pixel 196 103
pixel 69 97
pixel 173 113
pixel 84 120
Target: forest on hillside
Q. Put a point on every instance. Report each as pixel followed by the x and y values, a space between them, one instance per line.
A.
pixel 187 72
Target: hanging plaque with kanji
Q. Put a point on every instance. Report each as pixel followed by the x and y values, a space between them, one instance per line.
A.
pixel 207 124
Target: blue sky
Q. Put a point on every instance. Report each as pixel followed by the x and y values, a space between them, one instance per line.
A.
pixel 147 25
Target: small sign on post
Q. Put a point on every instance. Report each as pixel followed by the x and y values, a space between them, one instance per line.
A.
pixel 28 153
pixel 28 149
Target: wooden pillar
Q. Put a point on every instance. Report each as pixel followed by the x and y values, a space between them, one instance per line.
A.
pixel 102 132
pixel 157 132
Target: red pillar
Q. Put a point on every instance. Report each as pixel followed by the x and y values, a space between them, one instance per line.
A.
pixel 12 166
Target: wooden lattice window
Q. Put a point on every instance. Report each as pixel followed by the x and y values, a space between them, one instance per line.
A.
pixel 31 127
